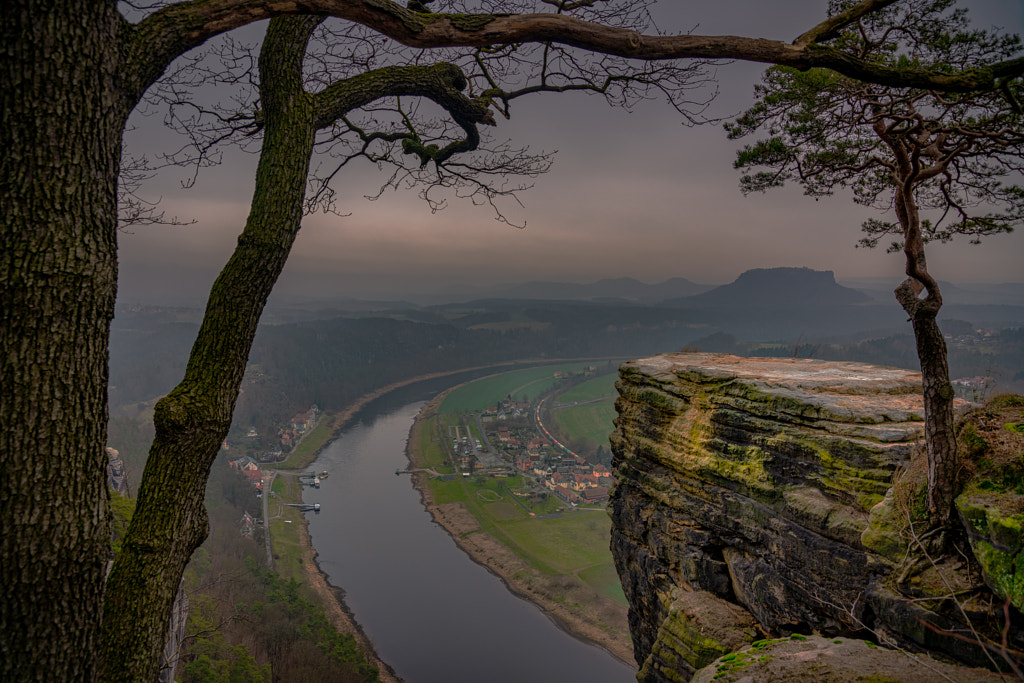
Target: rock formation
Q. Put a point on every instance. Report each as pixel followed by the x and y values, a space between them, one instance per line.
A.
pixel 117 478
pixel 755 499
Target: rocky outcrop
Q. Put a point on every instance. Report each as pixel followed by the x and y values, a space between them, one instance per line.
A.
pixel 175 634
pixel 764 488
pixel 117 478
pixel 836 660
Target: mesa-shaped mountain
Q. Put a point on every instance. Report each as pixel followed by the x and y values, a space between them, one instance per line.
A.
pixel 776 288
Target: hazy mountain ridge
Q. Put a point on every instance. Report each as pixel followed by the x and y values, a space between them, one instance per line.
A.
pixel 992 294
pixel 623 288
pixel 306 359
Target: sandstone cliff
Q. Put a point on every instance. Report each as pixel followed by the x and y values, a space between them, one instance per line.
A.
pixel 756 499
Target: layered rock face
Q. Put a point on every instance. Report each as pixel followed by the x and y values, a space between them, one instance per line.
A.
pixel 752 502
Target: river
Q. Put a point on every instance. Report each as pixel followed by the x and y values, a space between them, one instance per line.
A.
pixel 432 614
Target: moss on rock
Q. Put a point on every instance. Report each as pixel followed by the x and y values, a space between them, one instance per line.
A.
pixel 997 538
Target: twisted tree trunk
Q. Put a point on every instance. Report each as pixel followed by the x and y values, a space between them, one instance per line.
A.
pixel 192 421
pixel 940 439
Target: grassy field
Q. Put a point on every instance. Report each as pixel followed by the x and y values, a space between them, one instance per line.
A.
pixel 589 421
pixel 485 392
pixel 599 387
pixel 565 544
pixel 305 452
pixel 284 531
pixel 574 544
pixel 570 544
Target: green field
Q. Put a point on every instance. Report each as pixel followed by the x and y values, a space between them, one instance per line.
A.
pixel 599 387
pixel 528 383
pixel 284 528
pixel 591 422
pixel 574 543
pixel 565 544
pixel 570 544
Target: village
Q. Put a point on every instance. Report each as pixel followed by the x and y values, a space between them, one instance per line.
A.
pixel 502 440
pixel 289 436
pixel 515 440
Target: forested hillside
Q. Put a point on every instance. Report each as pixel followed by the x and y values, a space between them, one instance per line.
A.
pixel 330 362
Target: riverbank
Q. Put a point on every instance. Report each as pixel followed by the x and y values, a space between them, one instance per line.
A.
pixel 566 608
pixel 296 558
pixel 332 598
pixel 575 609
pixel 337 612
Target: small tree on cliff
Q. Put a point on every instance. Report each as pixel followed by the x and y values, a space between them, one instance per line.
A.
pixel 938 162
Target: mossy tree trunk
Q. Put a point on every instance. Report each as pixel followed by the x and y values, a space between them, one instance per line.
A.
pixel 60 142
pixel 192 421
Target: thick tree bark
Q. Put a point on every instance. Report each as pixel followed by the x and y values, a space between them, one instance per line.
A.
pixel 943 462
pixel 191 422
pixel 60 144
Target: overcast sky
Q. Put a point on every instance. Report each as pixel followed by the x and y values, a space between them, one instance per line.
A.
pixel 631 194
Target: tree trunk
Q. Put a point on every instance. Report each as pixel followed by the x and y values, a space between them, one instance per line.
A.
pixel 940 439
pixel 938 410
pixel 191 422
pixel 60 145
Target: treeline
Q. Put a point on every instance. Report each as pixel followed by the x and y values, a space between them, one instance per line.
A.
pixel 332 362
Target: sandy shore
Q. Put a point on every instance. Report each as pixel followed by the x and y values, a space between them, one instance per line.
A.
pixel 577 610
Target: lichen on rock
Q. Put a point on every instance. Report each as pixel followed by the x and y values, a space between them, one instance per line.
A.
pixel 767 484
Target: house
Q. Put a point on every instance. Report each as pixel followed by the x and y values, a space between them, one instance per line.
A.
pixel 595 495
pixel 244 464
pixel 255 478
pixel 302 422
pixel 248 525
pixel 566 495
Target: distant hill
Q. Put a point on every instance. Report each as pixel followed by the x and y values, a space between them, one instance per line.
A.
pixel 970 294
pixel 611 289
pixel 776 288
